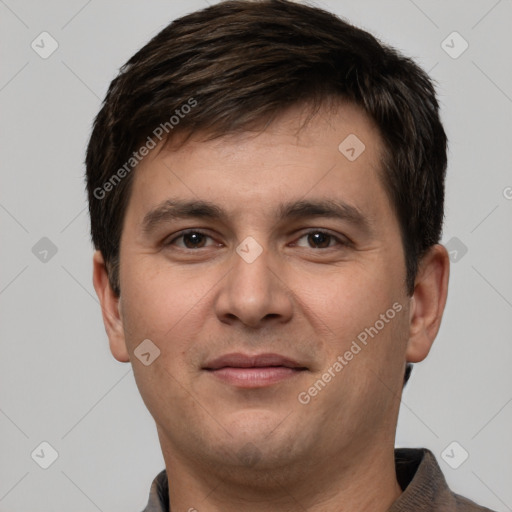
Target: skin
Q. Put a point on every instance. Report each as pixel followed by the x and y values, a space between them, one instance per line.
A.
pixel 228 448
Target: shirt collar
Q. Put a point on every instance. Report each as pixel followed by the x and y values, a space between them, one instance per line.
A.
pixel 159 494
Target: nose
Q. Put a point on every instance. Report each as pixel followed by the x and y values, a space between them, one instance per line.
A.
pixel 254 293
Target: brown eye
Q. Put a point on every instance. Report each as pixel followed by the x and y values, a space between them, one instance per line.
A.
pixel 190 240
pixel 320 240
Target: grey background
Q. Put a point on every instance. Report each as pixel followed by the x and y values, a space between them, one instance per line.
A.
pixel 58 381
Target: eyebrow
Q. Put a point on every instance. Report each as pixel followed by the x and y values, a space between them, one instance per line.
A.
pixel 176 209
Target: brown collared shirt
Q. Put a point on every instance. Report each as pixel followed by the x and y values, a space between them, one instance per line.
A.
pixel 418 473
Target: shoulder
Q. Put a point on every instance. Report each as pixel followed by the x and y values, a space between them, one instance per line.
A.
pixel 424 486
pixel 465 505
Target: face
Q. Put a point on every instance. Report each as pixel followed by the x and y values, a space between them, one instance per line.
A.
pixel 268 270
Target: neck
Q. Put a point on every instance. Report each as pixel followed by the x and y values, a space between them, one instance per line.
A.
pixel 344 482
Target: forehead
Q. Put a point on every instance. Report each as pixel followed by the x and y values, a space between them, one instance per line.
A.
pixel 334 155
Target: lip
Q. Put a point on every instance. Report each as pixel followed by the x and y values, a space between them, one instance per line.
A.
pixel 253 371
pixel 239 360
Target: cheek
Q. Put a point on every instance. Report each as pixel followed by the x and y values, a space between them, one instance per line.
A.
pixel 364 321
pixel 163 303
pixel 347 301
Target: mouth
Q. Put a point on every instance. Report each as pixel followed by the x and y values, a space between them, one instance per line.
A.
pixel 246 371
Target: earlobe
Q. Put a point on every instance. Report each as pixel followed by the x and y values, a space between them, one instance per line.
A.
pixel 111 310
pixel 428 302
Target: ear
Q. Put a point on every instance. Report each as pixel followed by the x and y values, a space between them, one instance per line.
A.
pixel 428 302
pixel 110 308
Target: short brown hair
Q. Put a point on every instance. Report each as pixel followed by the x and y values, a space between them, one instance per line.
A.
pixel 241 64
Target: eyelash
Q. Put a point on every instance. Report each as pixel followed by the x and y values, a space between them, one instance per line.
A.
pixel 311 231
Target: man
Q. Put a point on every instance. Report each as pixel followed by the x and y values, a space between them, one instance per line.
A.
pixel 266 187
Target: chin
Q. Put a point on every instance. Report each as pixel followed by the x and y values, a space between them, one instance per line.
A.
pixel 261 440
